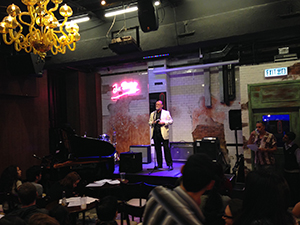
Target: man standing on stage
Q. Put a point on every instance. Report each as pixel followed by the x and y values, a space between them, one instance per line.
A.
pixel 267 145
pixel 159 121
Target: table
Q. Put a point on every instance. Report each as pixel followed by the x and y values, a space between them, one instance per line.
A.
pixel 75 209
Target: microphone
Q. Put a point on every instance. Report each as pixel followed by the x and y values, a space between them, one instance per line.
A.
pixel 37 157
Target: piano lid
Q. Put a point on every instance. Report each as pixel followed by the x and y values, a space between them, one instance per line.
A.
pixel 89 147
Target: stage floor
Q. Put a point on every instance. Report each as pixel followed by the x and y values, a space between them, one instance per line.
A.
pixel 160 177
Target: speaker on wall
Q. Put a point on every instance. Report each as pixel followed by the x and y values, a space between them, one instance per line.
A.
pixel 229 83
pixel 130 162
pixel 147 15
pixel 28 65
pixel 235 120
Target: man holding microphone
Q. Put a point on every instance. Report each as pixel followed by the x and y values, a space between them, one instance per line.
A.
pixel 159 122
pixel 266 146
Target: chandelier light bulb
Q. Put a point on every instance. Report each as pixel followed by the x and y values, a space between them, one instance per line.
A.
pixel 13 10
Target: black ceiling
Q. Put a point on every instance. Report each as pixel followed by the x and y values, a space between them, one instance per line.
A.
pixel 269 25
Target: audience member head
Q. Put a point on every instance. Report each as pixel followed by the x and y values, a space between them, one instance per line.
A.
pixel 232 210
pixel 107 209
pixel 12 220
pixel 289 137
pixel 42 219
pixel 197 173
pixel 34 174
pixel 71 180
pixel 9 177
pixel 266 199
pixel 61 214
pixel 27 194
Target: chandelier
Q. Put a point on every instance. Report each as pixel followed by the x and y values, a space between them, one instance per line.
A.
pixel 45 33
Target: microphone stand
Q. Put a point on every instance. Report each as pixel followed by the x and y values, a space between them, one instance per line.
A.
pixel 155 161
pixel 155 167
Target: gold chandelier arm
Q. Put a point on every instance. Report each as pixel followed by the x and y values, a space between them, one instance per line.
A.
pixel 53 9
pixel 63 50
pixel 21 20
pixel 63 23
pixel 4 37
pixel 11 36
pixel 74 46
pixel 17 35
pixel 54 50
pixel 55 40
pixel 28 49
pixel 17 46
pixel 31 11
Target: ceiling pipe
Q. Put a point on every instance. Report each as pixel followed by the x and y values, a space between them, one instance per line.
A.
pixel 202 66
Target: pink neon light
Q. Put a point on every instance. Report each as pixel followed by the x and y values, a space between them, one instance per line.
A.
pixel 126 88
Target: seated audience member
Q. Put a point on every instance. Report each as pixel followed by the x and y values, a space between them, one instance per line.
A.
pixel 214 201
pixel 291 165
pixel 107 211
pixel 225 186
pixel 9 183
pixel 27 195
pixel 61 214
pixel 67 185
pixel 12 220
pixel 10 179
pixel 265 200
pixel 181 205
pixel 42 219
pixel 232 210
pixel 34 175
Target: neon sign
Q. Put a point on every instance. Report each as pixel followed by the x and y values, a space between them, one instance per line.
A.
pixel 126 88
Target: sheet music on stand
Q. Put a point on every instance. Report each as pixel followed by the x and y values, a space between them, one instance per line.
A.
pixel 253 147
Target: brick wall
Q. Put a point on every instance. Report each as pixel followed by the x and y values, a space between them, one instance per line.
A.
pixel 128 115
pixel 188 109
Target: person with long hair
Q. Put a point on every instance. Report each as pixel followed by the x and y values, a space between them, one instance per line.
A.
pixel 266 200
pixel 66 185
pixel 10 179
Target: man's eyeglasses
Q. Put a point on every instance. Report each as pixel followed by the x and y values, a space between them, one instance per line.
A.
pixel 226 216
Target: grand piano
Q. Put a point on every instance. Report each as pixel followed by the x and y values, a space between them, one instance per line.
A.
pixel 91 158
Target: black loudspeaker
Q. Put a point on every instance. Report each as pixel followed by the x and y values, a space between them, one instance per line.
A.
pixel 144 149
pixel 235 120
pixel 209 146
pixel 229 83
pixel 147 15
pixel 27 65
pixel 130 162
pixel 181 151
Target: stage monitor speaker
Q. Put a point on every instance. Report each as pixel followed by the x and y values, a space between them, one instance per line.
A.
pixel 147 15
pixel 131 162
pixel 235 120
pixel 144 149
pixel 181 151
pixel 209 146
